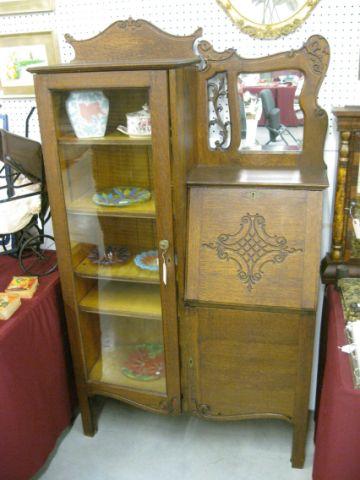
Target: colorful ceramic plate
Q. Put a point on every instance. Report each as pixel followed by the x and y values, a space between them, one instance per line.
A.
pixel 148 260
pixel 145 362
pixel 110 256
pixel 121 196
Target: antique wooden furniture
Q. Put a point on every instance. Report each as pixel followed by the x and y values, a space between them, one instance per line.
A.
pixel 345 247
pixel 222 339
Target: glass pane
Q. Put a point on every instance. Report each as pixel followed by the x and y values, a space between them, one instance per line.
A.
pixel 104 140
pixel 271 117
pixel 219 125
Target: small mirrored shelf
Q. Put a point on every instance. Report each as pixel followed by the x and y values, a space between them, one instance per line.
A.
pixel 85 206
pixel 108 370
pixel 114 138
pixel 127 272
pixel 124 300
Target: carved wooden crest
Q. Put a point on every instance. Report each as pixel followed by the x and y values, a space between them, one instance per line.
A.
pixel 136 40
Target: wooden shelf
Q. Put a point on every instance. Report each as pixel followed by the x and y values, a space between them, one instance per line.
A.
pixel 85 206
pixel 128 272
pixel 124 300
pixel 229 175
pixel 114 138
pixel 108 369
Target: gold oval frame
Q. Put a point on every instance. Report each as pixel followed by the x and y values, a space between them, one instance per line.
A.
pixel 272 30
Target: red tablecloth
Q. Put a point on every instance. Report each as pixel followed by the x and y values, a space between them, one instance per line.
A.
pixel 337 439
pixel 35 399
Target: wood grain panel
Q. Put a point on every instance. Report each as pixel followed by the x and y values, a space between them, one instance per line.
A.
pixel 265 265
pixel 244 363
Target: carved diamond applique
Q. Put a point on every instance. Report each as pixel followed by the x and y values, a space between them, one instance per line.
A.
pixel 251 248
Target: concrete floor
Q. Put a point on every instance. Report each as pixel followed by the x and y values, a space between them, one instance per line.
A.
pixel 135 445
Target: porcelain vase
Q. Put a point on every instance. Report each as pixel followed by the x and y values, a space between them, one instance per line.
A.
pixel 88 112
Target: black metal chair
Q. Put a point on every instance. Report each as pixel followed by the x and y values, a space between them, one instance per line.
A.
pixel 272 117
pixel 23 157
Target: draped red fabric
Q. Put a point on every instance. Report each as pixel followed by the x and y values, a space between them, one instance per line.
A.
pixel 337 440
pixel 35 398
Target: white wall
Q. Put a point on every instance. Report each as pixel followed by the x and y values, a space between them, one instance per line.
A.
pixel 337 21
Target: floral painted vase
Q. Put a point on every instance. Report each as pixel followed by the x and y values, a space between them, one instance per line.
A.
pixel 88 111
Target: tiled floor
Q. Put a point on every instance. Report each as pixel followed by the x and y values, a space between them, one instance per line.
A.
pixel 134 445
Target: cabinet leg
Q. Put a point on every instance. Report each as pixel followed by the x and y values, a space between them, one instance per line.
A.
pixel 299 442
pixel 87 415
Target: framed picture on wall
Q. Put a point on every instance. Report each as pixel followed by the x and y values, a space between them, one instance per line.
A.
pixel 20 51
pixel 25 6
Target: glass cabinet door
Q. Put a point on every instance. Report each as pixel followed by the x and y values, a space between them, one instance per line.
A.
pixel 115 173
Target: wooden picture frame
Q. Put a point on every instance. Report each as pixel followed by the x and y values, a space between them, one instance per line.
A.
pixel 20 51
pixel 26 6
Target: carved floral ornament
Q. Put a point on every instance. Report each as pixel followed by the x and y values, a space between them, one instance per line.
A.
pixel 316 49
pixel 268 18
pixel 251 248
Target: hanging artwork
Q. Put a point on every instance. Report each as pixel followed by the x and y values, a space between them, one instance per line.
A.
pixel 268 18
pixel 25 6
pixel 20 51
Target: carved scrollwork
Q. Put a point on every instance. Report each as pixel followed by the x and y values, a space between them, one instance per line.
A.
pixel 317 49
pixel 217 91
pixel 129 23
pixel 168 405
pixel 251 248
pixel 202 409
pixel 206 50
pixel 320 112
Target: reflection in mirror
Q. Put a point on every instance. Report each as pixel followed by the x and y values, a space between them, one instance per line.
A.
pixel 271 117
pixel 219 132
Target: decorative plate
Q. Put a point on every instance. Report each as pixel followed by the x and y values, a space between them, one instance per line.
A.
pixel 110 256
pixel 121 196
pixel 145 362
pixel 148 260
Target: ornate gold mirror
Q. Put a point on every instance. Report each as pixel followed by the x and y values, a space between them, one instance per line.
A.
pixel 268 18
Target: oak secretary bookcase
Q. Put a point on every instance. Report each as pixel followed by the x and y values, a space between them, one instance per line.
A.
pixel 201 297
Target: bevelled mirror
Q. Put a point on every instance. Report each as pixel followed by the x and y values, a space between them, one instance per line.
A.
pixel 271 116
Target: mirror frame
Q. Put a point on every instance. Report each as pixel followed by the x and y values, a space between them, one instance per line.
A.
pixel 271 30
pixel 312 60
